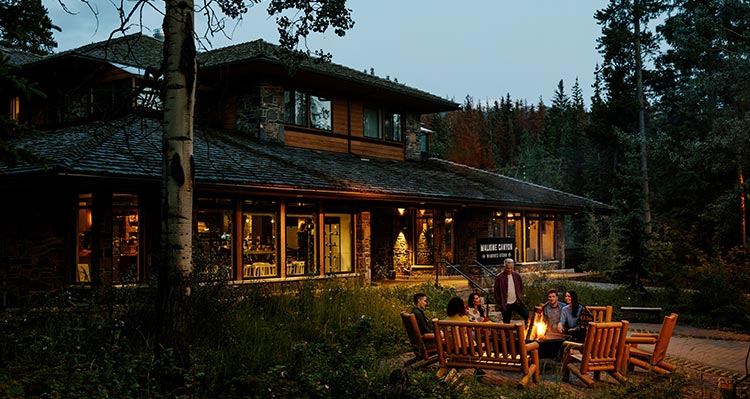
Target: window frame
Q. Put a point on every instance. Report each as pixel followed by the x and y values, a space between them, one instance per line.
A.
pixel 309 119
pixel 389 127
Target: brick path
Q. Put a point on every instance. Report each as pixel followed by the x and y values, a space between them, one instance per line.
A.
pixel 720 352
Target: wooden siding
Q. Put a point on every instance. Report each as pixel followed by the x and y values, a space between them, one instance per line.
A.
pixel 356 109
pixel 375 150
pixel 340 116
pixel 314 141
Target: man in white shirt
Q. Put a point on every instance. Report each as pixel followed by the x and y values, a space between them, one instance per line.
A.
pixel 508 291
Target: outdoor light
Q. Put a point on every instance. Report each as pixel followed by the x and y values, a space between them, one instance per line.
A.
pixel 401 211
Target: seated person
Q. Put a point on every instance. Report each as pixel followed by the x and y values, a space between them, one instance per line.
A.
pixel 420 304
pixel 552 312
pixel 456 310
pixel 474 308
pixel 569 317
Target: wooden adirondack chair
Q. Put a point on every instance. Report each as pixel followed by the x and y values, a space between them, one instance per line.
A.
pixel 602 350
pixel 488 346
pixel 602 314
pixel 652 360
pixel 425 351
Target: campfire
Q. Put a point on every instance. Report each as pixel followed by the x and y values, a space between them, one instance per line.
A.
pixel 539 327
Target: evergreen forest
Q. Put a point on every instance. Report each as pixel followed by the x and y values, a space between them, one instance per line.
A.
pixel 664 139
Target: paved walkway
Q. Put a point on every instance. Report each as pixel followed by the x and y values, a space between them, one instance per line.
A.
pixel 721 352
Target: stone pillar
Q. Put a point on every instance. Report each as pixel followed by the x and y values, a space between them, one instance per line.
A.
pixel 413 137
pixel 364 246
pixel 260 111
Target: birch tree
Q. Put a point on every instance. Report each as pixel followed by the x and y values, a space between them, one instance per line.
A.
pixel 296 19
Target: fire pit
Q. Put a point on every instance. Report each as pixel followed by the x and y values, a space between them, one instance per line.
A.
pixel 550 345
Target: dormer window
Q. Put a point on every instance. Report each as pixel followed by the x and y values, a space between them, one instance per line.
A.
pixel 307 110
pixel 380 124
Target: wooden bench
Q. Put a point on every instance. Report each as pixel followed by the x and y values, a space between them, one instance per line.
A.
pixel 641 313
pixel 490 346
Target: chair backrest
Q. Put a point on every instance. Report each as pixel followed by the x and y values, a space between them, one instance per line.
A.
pixel 602 314
pixel 662 341
pixel 415 336
pixel 496 343
pixel 604 346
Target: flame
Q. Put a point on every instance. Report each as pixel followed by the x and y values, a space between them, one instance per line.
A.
pixel 540 328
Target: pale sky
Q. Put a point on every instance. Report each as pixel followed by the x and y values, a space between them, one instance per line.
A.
pixel 481 48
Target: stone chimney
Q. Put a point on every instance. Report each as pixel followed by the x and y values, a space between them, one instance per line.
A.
pixel 413 137
pixel 260 112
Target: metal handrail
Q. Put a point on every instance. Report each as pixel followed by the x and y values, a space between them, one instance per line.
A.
pixel 486 270
pixel 472 282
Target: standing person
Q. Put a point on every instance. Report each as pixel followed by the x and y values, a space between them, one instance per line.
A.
pixel 509 292
pixel 474 308
pixel 569 316
pixel 420 304
pixel 552 311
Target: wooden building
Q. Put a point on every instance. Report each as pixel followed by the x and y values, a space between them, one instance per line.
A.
pixel 324 172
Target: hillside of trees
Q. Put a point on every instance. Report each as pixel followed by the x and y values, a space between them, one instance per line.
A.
pixel 677 179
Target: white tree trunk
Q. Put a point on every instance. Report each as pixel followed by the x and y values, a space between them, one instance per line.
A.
pixel 177 176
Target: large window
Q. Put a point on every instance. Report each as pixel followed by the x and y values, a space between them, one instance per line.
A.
pixel 15 108
pixel 259 239
pixel 508 224
pixel 213 244
pixel 308 110
pixel 337 241
pixel 125 239
pixel 540 237
pixel 84 244
pixel 126 260
pixel 301 246
pixel 379 124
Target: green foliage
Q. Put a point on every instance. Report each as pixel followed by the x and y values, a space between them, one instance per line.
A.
pixel 603 249
pixel 314 341
pixel 25 26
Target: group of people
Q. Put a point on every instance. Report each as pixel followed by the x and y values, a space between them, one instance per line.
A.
pixel 508 292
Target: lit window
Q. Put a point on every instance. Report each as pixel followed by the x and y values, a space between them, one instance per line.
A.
pixel 15 108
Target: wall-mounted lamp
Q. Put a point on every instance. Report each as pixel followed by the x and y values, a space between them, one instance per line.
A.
pixel 401 211
pixel 448 217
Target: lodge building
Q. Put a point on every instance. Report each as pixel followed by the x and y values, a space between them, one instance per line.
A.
pixel 322 173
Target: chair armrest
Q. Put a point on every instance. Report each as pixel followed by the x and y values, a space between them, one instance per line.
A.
pixel 644 335
pixel 533 345
pixel 568 345
pixel 639 340
pixel 428 337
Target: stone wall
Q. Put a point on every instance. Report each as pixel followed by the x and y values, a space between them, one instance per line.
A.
pixel 364 246
pixel 413 137
pixel 260 111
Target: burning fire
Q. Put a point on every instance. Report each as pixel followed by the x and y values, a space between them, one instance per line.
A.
pixel 540 328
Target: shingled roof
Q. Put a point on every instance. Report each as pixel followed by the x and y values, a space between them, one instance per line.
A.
pixel 133 50
pixel 131 148
pixel 260 50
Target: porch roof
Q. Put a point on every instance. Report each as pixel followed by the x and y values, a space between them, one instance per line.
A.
pixel 130 148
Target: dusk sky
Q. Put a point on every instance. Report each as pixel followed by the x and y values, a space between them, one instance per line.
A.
pixel 482 48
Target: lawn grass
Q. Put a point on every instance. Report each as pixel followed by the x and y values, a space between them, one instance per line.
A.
pixel 318 341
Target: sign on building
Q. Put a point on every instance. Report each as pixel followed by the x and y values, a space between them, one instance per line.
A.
pixel 494 250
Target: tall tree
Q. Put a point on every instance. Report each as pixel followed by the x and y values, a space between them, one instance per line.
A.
pixel 180 71
pixel 703 106
pixel 622 38
pixel 26 26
